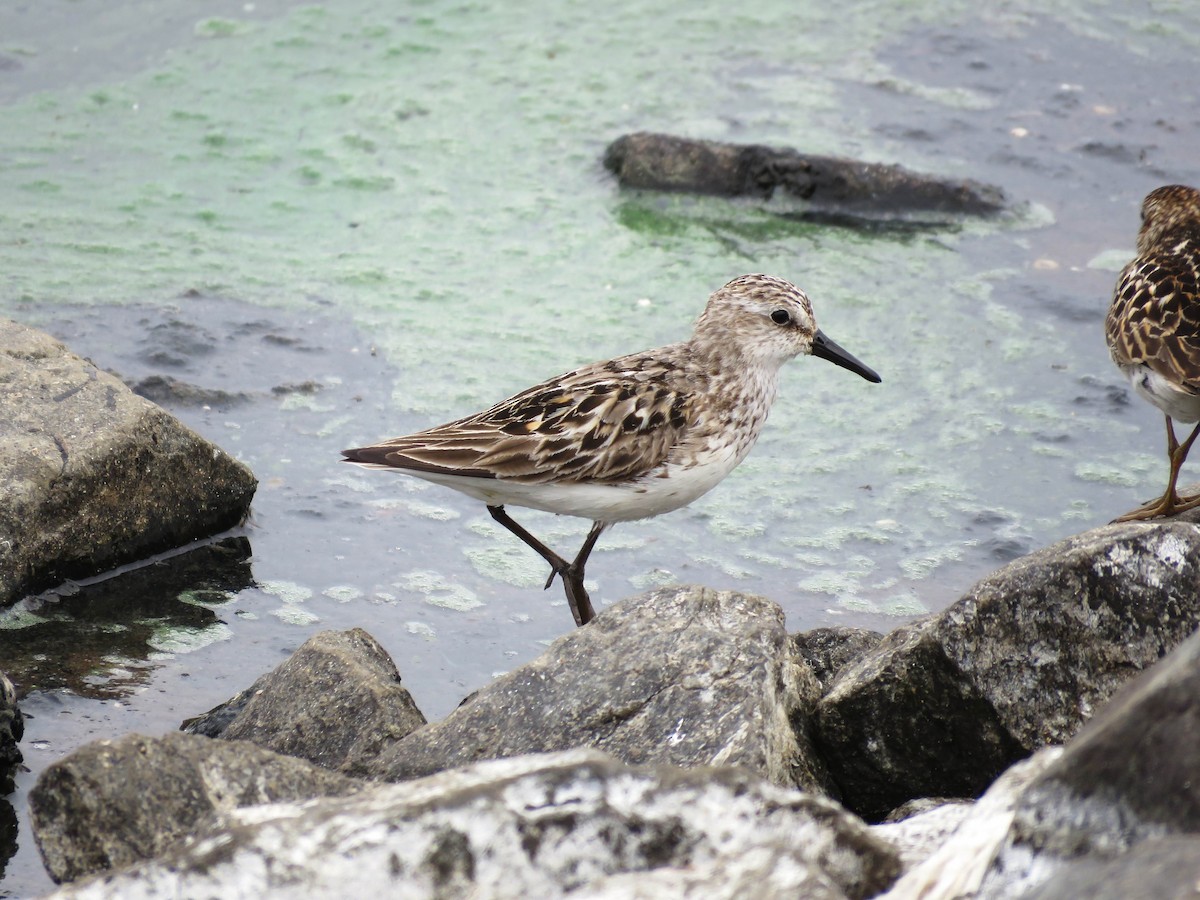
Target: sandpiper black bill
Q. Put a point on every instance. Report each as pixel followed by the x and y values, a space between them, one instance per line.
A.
pixel 827 348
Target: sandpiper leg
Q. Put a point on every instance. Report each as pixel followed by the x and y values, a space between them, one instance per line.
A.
pixel 1170 502
pixel 572 573
pixel 577 595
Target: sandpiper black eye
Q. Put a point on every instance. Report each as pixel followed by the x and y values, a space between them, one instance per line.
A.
pixel 781 317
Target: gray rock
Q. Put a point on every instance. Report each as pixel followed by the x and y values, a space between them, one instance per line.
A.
pixel 93 476
pixel 336 702
pixel 12 729
pixel 827 651
pixel 1162 868
pixel 112 803
pixel 685 676
pixel 1131 775
pixel 575 824
pixel 668 163
pixel 954 870
pixel 919 835
pixel 944 705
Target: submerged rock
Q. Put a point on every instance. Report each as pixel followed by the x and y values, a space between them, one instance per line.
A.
pixel 93 476
pixel 112 803
pixel 336 702
pixel 685 676
pixel 665 162
pixel 575 824
pixel 942 706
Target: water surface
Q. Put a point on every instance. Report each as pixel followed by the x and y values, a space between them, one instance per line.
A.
pixel 358 220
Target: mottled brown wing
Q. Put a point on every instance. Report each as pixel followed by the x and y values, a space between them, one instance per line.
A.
pixel 1155 317
pixel 603 423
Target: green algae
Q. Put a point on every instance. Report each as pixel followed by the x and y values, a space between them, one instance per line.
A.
pixel 436 175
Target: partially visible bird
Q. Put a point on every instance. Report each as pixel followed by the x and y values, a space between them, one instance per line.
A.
pixel 1153 326
pixel 626 438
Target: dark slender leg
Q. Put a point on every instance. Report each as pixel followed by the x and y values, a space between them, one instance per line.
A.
pixel 577 595
pixel 571 573
pixel 1170 502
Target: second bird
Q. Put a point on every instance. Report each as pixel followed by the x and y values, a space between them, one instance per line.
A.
pixel 627 438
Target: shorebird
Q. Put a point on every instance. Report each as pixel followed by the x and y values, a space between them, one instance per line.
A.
pixel 1153 326
pixel 626 438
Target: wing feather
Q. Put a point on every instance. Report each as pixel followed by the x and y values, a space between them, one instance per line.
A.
pixel 1154 319
pixel 603 423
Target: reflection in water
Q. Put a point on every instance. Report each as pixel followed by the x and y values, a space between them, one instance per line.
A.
pixel 101 638
pixel 8 833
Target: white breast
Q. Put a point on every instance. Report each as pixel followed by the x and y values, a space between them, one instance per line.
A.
pixel 640 499
pixel 1179 404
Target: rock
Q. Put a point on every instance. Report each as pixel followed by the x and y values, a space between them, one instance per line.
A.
pixel 336 702
pixel 684 676
pixel 918 836
pixel 112 803
pixel 955 870
pixel 827 651
pixel 93 476
pixel 1163 868
pixel 942 706
pixel 1131 775
pixel 575 824
pixel 170 391
pixel 663 162
pixel 12 729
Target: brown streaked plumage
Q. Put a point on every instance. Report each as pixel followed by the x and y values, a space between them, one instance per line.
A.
pixel 626 438
pixel 1153 326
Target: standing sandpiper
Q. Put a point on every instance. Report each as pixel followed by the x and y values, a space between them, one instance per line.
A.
pixel 626 438
pixel 1153 326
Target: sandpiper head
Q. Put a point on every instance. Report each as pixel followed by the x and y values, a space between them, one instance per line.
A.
pixel 767 321
pixel 1169 208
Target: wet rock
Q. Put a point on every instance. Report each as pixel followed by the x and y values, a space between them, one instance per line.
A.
pixel 575 824
pixel 826 651
pixel 170 391
pixel 1131 775
pixel 685 676
pixel 12 729
pixel 667 163
pixel 93 476
pixel 112 803
pixel 942 706
pixel 336 702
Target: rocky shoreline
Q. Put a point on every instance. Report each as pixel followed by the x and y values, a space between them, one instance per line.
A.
pixel 682 745
pixel 1036 736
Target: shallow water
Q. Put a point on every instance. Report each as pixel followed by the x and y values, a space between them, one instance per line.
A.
pixel 358 221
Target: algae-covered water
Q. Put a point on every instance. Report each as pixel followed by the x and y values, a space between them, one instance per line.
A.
pixel 362 219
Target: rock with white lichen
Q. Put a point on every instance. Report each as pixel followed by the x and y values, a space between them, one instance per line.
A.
pixel 944 705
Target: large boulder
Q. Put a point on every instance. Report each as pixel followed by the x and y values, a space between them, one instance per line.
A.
pixel 685 676
pixel 575 824
pixel 336 702
pixel 1132 775
pixel 944 705
pixel 93 476
pixel 112 803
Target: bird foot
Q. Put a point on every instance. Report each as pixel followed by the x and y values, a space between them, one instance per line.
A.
pixel 1166 505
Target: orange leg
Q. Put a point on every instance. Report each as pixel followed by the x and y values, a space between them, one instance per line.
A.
pixel 1170 502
